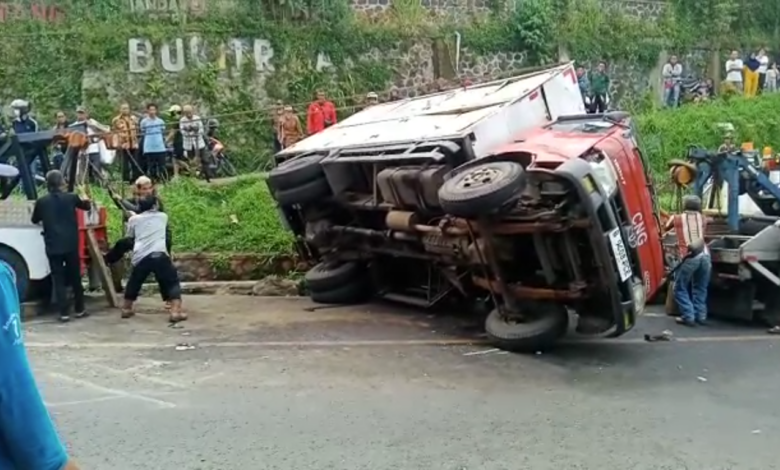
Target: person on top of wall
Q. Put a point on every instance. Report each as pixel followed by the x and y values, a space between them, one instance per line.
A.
pixel 321 114
pixel 672 80
pixel 734 69
pixel 752 65
pixel 28 438
pixel 125 141
pixel 599 87
pixel 763 67
pixel 583 82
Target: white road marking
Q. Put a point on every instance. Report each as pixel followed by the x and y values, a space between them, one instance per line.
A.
pixel 480 353
pixel 110 391
pixel 134 372
pixel 89 401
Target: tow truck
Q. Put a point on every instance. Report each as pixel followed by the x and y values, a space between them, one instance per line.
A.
pixel 506 193
pixel 21 241
pixel 741 197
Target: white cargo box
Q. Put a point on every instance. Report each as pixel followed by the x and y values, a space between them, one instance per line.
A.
pixel 491 113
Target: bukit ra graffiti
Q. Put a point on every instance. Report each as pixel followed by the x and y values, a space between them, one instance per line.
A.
pixel 176 55
pixel 16 11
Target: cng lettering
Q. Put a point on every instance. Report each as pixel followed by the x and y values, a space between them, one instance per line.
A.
pixel 637 234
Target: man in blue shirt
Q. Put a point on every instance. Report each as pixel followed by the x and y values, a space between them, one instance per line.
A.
pixel 23 123
pixel 28 440
pixel 154 149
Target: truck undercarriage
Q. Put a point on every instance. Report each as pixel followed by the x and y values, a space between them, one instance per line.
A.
pixel 533 242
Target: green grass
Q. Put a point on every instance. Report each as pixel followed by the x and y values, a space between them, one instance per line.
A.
pixel 235 217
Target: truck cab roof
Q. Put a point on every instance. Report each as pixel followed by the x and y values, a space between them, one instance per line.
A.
pixel 564 139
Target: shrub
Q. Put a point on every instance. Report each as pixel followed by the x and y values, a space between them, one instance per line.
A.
pixel 667 133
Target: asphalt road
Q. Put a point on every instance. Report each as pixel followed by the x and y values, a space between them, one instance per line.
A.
pixel 266 384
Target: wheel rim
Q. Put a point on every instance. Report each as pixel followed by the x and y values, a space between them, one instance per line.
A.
pixel 480 177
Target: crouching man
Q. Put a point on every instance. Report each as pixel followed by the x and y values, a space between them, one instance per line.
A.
pixel 150 256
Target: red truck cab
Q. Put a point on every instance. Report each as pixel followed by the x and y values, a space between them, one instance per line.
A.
pixel 633 232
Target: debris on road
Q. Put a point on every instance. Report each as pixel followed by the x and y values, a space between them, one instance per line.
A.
pixel 665 335
pixel 184 347
pixel 701 379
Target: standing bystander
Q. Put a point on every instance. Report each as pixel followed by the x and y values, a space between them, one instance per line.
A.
pixel 321 114
pixel 771 78
pixel 734 68
pixel 194 131
pixel 672 75
pixel 290 131
pixel 751 75
pixel 56 212
pixel 154 152
pixel 763 68
pixel 599 85
pixel 125 142
pixel 94 130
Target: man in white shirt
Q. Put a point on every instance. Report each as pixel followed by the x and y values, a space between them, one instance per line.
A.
pixel 193 132
pixel 94 129
pixel 763 60
pixel 734 68
pixel 672 76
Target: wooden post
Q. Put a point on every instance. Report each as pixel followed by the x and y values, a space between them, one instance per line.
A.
pixel 106 278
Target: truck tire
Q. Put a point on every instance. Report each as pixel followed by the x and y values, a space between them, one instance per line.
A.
pixel 19 266
pixel 348 294
pixel 296 172
pixel 537 334
pixel 482 189
pixel 330 275
pixel 307 193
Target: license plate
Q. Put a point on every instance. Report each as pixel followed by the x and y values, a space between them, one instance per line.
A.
pixel 621 255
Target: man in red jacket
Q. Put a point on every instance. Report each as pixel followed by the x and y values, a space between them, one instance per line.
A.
pixel 321 114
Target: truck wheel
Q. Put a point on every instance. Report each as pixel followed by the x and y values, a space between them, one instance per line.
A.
pixel 18 265
pixel 482 189
pixel 307 193
pixel 348 294
pixel 539 332
pixel 331 275
pixel 295 172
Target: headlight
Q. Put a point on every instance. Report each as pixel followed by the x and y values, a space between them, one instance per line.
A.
pixel 640 297
pixel 605 176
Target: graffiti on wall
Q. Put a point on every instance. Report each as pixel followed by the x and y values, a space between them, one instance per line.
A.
pixel 181 53
pixel 35 11
pixel 167 7
pixel 178 54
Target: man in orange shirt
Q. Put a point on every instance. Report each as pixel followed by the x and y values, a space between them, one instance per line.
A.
pixel 321 114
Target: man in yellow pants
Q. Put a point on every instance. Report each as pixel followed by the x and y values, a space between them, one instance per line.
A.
pixel 751 75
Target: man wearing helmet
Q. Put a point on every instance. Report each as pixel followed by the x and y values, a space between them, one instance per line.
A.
pixel 175 139
pixel 24 124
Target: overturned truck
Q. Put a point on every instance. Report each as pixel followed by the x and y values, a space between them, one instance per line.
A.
pixel 504 193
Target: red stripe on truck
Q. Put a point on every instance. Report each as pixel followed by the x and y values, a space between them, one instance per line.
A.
pixel 570 73
pixel 534 95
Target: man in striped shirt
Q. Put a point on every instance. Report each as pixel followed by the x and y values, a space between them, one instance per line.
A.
pixel 692 278
pixel 194 133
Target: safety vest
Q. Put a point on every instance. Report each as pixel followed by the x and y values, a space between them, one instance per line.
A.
pixel 689 228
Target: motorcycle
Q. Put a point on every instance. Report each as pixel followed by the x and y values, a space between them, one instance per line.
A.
pixel 221 165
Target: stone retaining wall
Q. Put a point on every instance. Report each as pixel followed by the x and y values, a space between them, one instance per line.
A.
pixel 199 267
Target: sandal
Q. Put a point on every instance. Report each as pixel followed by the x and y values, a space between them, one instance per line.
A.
pixel 775 330
pixel 126 313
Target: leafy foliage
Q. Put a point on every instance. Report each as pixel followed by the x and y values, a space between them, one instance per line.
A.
pixel 667 133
